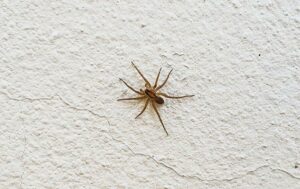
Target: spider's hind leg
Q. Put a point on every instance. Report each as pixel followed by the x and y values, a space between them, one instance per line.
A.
pixel 156 111
pixel 174 97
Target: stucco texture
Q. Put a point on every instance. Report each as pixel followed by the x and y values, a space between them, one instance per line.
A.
pixel 61 125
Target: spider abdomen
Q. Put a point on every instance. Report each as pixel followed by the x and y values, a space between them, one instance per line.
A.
pixel 159 100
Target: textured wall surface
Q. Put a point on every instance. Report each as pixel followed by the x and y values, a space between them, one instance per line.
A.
pixel 60 123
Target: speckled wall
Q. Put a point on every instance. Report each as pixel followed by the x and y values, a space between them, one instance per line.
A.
pixel 61 125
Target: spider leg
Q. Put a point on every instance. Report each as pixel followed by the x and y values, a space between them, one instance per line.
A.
pixel 131 87
pixel 146 104
pixel 175 97
pixel 135 98
pixel 155 109
pixel 155 85
pixel 159 87
pixel 147 82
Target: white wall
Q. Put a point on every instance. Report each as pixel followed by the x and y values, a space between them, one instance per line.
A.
pixel 61 126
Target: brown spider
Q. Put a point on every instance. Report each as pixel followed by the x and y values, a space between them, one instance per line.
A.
pixel 152 94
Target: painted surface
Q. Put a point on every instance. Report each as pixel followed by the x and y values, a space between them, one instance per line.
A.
pixel 60 123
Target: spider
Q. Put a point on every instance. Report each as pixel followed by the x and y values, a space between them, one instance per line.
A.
pixel 152 94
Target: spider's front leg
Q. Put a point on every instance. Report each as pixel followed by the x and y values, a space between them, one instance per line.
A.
pixel 161 86
pixel 138 92
pixel 147 82
pixel 157 78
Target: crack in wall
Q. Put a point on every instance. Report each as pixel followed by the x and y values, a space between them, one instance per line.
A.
pixel 83 109
pixel 285 172
pixel 194 177
pixel 24 99
pixel 22 157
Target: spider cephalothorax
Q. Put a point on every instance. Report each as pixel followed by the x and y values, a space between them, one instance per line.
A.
pixel 151 94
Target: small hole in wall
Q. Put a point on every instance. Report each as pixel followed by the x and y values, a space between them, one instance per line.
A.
pixel 258 54
pixel 296 166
